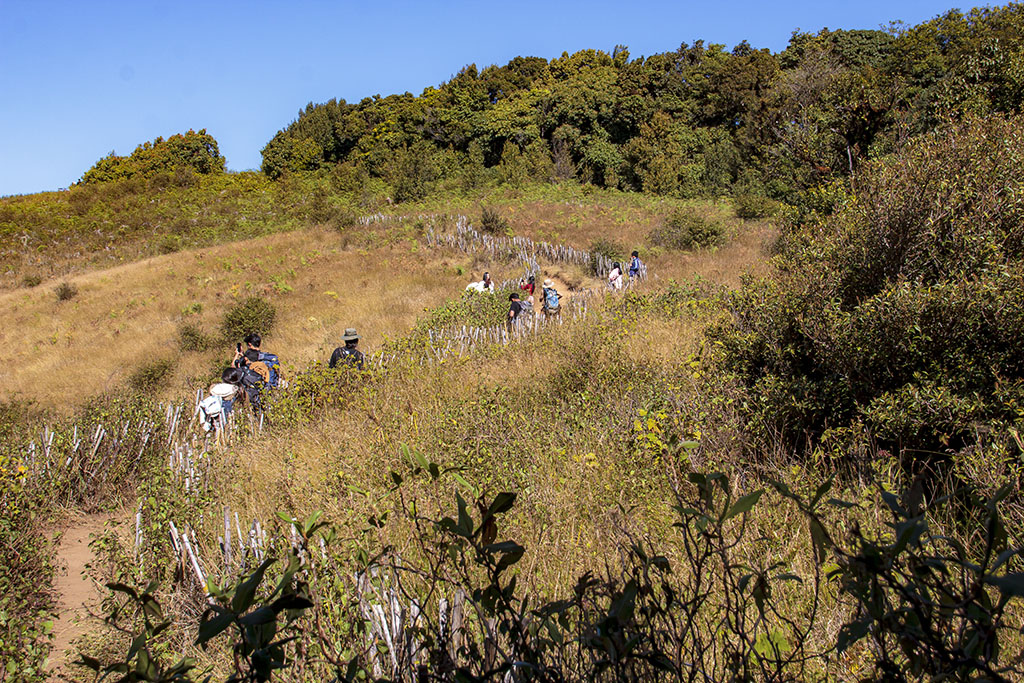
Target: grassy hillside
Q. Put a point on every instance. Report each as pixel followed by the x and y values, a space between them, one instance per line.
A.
pixel 748 468
pixel 378 277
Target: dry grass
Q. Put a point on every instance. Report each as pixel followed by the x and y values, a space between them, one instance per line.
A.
pixel 61 353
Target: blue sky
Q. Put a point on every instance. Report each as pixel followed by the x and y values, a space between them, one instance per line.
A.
pixel 79 79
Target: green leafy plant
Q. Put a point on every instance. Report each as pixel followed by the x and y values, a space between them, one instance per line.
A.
pixel 252 314
pixel 687 230
pixel 192 338
pixel 151 375
pixel 493 223
pixel 752 206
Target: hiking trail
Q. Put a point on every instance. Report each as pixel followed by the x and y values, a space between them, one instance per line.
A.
pixel 76 593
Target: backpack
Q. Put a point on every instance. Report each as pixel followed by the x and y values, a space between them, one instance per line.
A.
pixel 273 366
pixel 210 411
pixel 550 299
pixel 261 369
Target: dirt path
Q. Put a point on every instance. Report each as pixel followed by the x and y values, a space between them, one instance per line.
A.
pixel 77 594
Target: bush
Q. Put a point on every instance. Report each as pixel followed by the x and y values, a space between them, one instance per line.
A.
pixel 752 206
pixel 897 321
pixel 250 315
pixel 192 338
pixel 604 248
pixel 493 223
pixel 686 230
pixel 169 244
pixel 66 291
pixel 150 375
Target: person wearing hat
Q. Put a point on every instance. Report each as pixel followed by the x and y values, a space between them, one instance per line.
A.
pixel 351 356
pixel 213 410
pixel 551 298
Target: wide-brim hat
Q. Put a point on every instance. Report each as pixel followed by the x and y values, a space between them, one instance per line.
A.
pixel 223 390
pixel 549 283
pixel 350 334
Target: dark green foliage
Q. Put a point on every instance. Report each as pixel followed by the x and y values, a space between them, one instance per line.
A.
pixel 926 603
pixel 66 291
pixel 179 155
pixel 192 338
pixel 900 317
pixel 493 223
pixel 750 206
pixel 252 314
pixel 687 230
pixel 697 121
pixel 923 603
pixel 150 375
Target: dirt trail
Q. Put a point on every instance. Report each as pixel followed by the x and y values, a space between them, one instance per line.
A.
pixel 77 593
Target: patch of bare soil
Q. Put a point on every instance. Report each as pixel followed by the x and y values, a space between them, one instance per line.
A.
pixel 77 594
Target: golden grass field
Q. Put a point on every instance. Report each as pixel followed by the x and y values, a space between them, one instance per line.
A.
pixel 379 281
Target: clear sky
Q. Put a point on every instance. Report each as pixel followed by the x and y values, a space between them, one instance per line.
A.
pixel 81 78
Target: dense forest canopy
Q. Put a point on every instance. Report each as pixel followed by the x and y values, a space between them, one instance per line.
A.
pixel 700 120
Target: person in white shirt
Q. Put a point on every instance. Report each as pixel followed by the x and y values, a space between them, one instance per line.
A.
pixel 615 277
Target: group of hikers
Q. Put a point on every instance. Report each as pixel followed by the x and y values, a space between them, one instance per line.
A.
pixel 551 298
pixel 253 372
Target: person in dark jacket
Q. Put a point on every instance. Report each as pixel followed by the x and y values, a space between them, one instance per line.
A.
pixel 515 308
pixel 348 354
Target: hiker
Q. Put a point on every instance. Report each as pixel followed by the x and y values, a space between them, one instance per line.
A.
pixel 515 308
pixel 349 354
pixel 615 277
pixel 528 286
pixel 635 264
pixel 485 285
pixel 213 410
pixel 265 364
pixel 249 383
pixel 551 299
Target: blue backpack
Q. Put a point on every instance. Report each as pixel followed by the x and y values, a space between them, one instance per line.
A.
pixel 274 365
pixel 550 299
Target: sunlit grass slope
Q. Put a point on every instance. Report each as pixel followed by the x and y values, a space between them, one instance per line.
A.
pixel 376 278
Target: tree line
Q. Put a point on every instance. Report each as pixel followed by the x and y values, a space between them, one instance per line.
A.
pixel 697 121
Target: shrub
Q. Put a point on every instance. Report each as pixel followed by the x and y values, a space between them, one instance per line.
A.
pixel 752 206
pixel 493 223
pixel 150 375
pixel 604 249
pixel 192 338
pixel 688 231
pixel 66 291
pixel 169 244
pixel 31 281
pixel 250 315
pixel 899 319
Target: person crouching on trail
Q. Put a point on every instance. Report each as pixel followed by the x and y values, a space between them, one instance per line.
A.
pixel 551 299
pixel 250 384
pixel 485 285
pixel 349 354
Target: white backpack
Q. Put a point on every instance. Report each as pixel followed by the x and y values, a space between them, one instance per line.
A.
pixel 211 413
